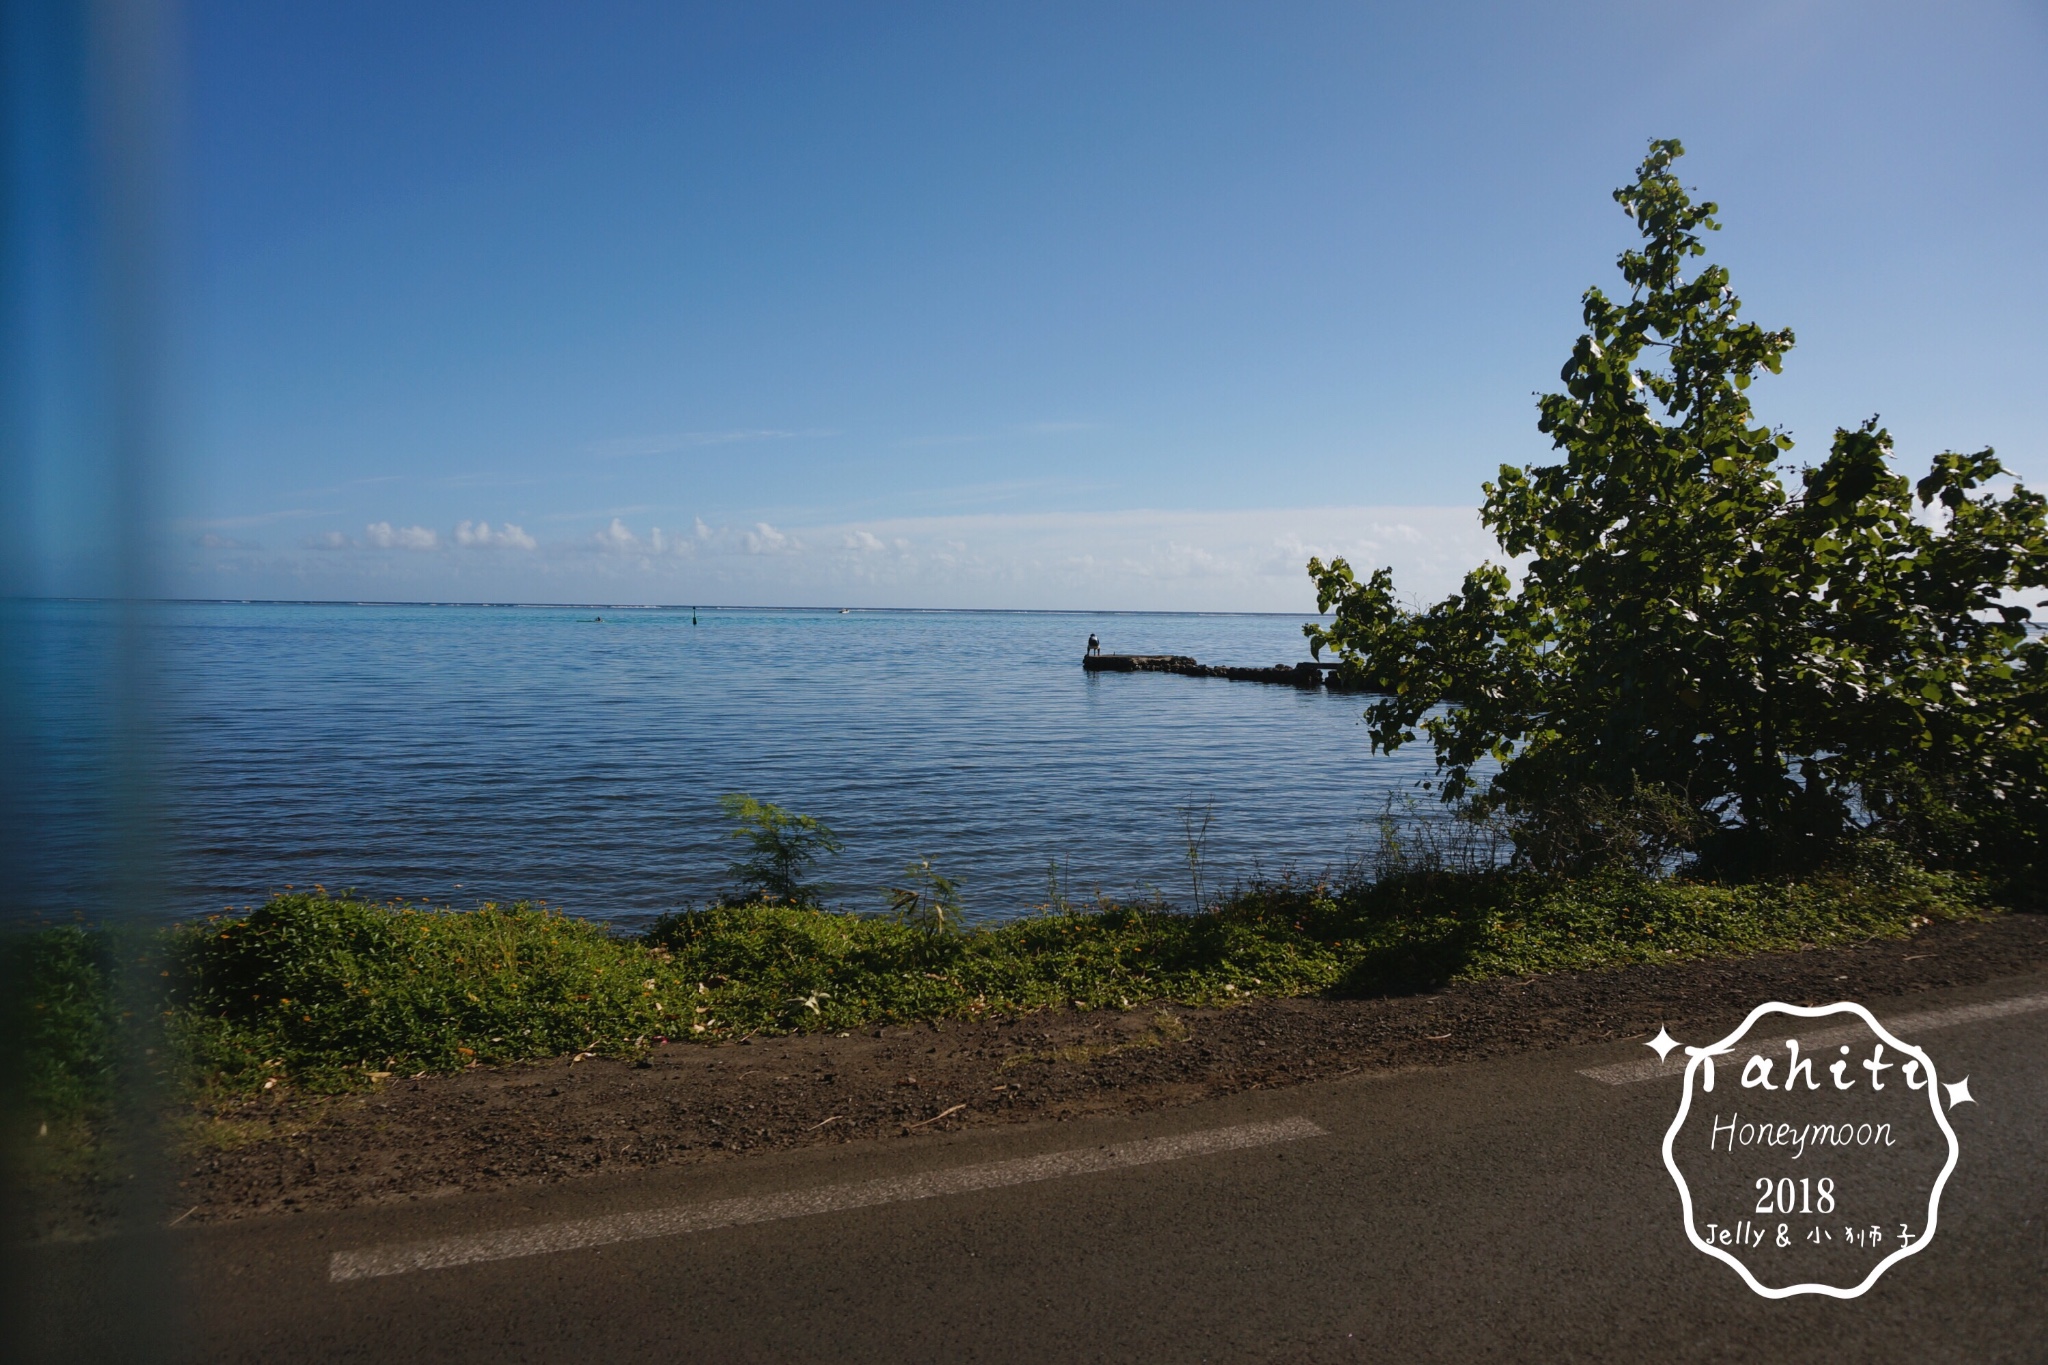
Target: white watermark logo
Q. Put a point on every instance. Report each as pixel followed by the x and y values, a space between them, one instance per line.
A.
pixel 1811 1159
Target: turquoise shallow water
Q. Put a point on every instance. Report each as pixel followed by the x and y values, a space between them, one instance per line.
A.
pixel 468 753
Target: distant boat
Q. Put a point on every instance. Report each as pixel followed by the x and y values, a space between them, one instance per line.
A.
pixel 846 611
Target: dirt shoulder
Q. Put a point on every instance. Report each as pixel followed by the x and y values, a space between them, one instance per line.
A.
pixel 490 1128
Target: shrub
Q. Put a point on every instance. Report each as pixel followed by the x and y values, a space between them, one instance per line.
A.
pixel 325 990
pixel 782 846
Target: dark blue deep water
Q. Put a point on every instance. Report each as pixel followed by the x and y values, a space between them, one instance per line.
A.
pixel 471 753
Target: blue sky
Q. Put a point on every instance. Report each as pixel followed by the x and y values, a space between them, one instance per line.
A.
pixel 1100 306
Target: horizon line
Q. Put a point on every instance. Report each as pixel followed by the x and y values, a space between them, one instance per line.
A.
pixel 638 606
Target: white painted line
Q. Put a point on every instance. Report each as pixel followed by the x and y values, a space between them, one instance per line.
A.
pixel 400 1257
pixel 1650 1069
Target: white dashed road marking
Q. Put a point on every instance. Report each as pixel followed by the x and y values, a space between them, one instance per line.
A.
pixel 400 1257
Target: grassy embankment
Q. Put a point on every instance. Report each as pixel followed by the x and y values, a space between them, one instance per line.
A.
pixel 329 993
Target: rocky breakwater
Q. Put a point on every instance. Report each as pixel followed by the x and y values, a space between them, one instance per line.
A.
pixel 1303 674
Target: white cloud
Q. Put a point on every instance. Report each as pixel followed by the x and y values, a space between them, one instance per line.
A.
pixel 766 540
pixel 210 541
pixel 675 546
pixel 507 536
pixel 1249 560
pixel 381 535
pixel 616 538
pixel 759 539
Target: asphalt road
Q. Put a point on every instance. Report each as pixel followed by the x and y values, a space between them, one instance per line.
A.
pixel 1509 1210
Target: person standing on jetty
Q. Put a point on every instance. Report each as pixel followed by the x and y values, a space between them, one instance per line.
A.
pixel 1094 645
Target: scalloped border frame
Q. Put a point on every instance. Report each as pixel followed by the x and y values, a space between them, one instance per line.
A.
pixel 1934 1104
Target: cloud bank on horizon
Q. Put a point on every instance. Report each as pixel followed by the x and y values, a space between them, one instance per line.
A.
pixel 1133 560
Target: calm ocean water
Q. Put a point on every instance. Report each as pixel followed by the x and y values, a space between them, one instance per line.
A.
pixel 471 753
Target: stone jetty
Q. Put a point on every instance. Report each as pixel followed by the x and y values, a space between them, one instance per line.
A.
pixel 1304 674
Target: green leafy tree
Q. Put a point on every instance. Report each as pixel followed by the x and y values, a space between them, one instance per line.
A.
pixel 1700 657
pixel 781 847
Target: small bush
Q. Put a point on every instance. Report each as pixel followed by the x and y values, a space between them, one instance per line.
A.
pixel 327 990
pixel 782 846
pixel 1588 830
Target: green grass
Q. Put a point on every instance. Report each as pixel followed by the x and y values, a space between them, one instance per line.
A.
pixel 329 993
